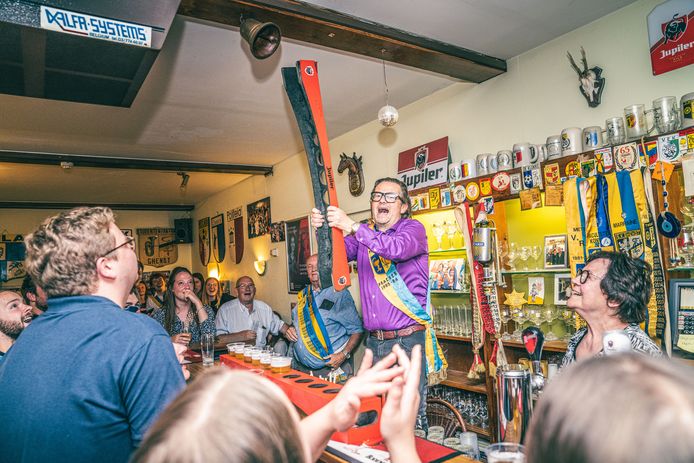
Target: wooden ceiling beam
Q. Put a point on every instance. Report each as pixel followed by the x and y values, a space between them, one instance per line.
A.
pixel 78 160
pixel 309 23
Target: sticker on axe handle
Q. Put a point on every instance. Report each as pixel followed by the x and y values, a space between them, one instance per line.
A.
pixel 473 191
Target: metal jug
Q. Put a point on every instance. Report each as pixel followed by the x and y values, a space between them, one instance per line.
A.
pixel 515 403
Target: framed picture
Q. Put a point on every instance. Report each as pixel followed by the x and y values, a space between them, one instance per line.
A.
pixel 447 274
pixel 277 232
pixel 536 290
pixel 555 251
pixel 562 282
pixel 681 302
pixel 259 218
pixel 298 237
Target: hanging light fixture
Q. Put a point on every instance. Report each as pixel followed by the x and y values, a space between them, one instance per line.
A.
pixel 388 116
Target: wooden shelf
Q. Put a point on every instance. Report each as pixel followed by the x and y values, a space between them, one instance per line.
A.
pixel 449 291
pixel 681 269
pixel 444 251
pixel 477 430
pixel 459 380
pixel 550 346
pixel 448 337
pixel 539 270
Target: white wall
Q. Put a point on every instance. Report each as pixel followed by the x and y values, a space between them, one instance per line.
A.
pixel 537 97
pixel 24 221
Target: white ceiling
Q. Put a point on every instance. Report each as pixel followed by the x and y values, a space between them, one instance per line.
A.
pixel 207 99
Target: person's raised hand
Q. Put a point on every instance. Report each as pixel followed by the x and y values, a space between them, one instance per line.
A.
pixel 193 298
pixel 370 381
pixel 399 412
pixel 179 349
pixel 317 219
pixel 339 219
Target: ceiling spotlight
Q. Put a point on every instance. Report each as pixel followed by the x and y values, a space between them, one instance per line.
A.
pixel 388 116
pixel 263 38
pixel 184 180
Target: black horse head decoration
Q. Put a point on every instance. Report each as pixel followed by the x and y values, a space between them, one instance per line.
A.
pixel 592 82
pixel 355 171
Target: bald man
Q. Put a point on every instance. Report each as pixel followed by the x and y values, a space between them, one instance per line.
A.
pixel 15 315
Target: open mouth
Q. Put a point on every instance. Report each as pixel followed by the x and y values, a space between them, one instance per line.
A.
pixel 383 210
pixel 27 319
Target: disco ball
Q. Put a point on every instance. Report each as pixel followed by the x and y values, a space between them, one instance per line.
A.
pixel 388 116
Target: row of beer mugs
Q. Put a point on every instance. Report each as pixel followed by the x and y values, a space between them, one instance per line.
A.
pixel 668 116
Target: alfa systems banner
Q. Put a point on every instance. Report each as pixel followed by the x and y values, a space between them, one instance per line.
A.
pixel 671 35
pixel 424 166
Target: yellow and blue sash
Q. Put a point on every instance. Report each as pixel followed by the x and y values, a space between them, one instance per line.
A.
pixel 394 289
pixel 312 330
pixel 624 216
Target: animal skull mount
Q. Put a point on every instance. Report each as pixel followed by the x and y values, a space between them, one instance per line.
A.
pixel 591 81
pixel 355 171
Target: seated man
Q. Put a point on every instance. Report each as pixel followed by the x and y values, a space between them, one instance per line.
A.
pixel 335 313
pixel 15 315
pixel 33 296
pixel 105 373
pixel 248 320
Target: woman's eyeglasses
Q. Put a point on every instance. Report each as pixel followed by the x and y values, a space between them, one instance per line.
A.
pixel 584 274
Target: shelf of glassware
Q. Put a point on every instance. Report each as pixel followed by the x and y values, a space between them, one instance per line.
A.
pixel 446 251
pixel 450 291
pixel 550 346
pixel 459 380
pixel 681 269
pixel 537 270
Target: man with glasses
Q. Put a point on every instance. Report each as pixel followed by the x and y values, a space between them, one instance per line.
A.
pixel 611 293
pixel 86 379
pixel 249 320
pixel 393 249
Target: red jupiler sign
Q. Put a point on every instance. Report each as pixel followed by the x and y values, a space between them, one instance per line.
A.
pixel 671 35
pixel 425 165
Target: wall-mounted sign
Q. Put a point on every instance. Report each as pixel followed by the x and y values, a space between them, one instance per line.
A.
pixel 218 238
pixel 671 35
pixel 424 166
pixel 157 246
pixel 84 25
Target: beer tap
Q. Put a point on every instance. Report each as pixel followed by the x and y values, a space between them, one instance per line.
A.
pixel 534 340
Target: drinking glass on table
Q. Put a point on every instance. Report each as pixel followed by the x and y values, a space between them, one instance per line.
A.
pixel 207 349
pixel 505 452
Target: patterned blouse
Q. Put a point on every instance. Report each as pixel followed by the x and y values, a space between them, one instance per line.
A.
pixel 640 342
pixel 208 326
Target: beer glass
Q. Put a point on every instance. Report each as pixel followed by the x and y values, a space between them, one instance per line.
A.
pixel 616 133
pixel 505 452
pixel 666 114
pixel 207 349
pixel 637 124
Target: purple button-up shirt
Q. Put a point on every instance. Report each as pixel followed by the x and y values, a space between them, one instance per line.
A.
pixel 405 243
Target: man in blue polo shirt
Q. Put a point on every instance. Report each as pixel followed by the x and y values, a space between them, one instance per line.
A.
pixel 86 379
pixel 331 327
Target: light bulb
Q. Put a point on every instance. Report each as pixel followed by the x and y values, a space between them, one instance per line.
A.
pixel 388 116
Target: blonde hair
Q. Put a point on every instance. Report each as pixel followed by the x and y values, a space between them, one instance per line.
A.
pixel 624 408
pixel 224 416
pixel 61 253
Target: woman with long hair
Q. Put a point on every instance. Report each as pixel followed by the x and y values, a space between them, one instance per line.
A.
pixel 198 284
pixel 211 293
pixel 183 315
